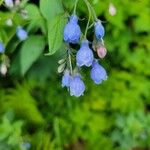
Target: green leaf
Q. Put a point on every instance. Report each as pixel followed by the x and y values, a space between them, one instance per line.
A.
pixel 50 8
pixel 55 33
pixel 30 52
pixel 36 19
pixel 1 2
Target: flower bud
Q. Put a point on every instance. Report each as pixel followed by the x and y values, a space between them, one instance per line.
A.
pixel 9 22
pixel 101 52
pixel 17 2
pixel 61 68
pixel 112 9
pixel 99 30
pixel 61 61
pixel 21 33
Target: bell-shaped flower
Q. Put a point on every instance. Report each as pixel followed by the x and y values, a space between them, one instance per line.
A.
pixel 98 73
pixel 66 79
pixel 84 55
pixel 99 30
pixel 77 86
pixel 72 30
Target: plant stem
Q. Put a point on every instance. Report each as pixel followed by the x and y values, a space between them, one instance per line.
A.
pixel 75 7
pixel 70 63
pixel 102 41
pixel 94 14
pixel 91 10
pixel 87 26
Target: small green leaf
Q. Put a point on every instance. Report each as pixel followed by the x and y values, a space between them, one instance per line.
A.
pixel 30 52
pixel 55 33
pixel 36 19
pixel 50 8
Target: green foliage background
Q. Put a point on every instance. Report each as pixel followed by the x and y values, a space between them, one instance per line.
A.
pixel 37 114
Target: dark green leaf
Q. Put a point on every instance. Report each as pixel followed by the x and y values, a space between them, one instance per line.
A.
pixel 50 8
pixel 30 52
pixel 55 33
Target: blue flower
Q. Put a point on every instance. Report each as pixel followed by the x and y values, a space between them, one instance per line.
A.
pixel 21 34
pixel 26 145
pixel 77 86
pixel 72 30
pixel 84 55
pixel 66 79
pixel 98 73
pixel 2 47
pixel 99 30
pixel 9 3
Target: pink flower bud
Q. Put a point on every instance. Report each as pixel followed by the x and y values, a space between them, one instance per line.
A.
pixel 17 2
pixel 101 52
pixel 112 9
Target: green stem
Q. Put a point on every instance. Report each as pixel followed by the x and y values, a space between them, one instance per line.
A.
pixel 94 14
pixel 75 7
pixel 91 10
pixel 102 41
pixel 87 26
pixel 70 63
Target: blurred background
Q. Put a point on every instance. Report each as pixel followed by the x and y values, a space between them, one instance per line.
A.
pixel 36 113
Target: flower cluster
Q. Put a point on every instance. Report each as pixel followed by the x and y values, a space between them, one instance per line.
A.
pixel 21 33
pixel 15 6
pixel 72 78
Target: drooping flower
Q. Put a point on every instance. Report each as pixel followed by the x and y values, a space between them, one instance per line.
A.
pixel 72 30
pixel 9 3
pixel 21 33
pixel 84 55
pixel 77 86
pixel 98 73
pixel 2 47
pixel 99 30
pixel 66 79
